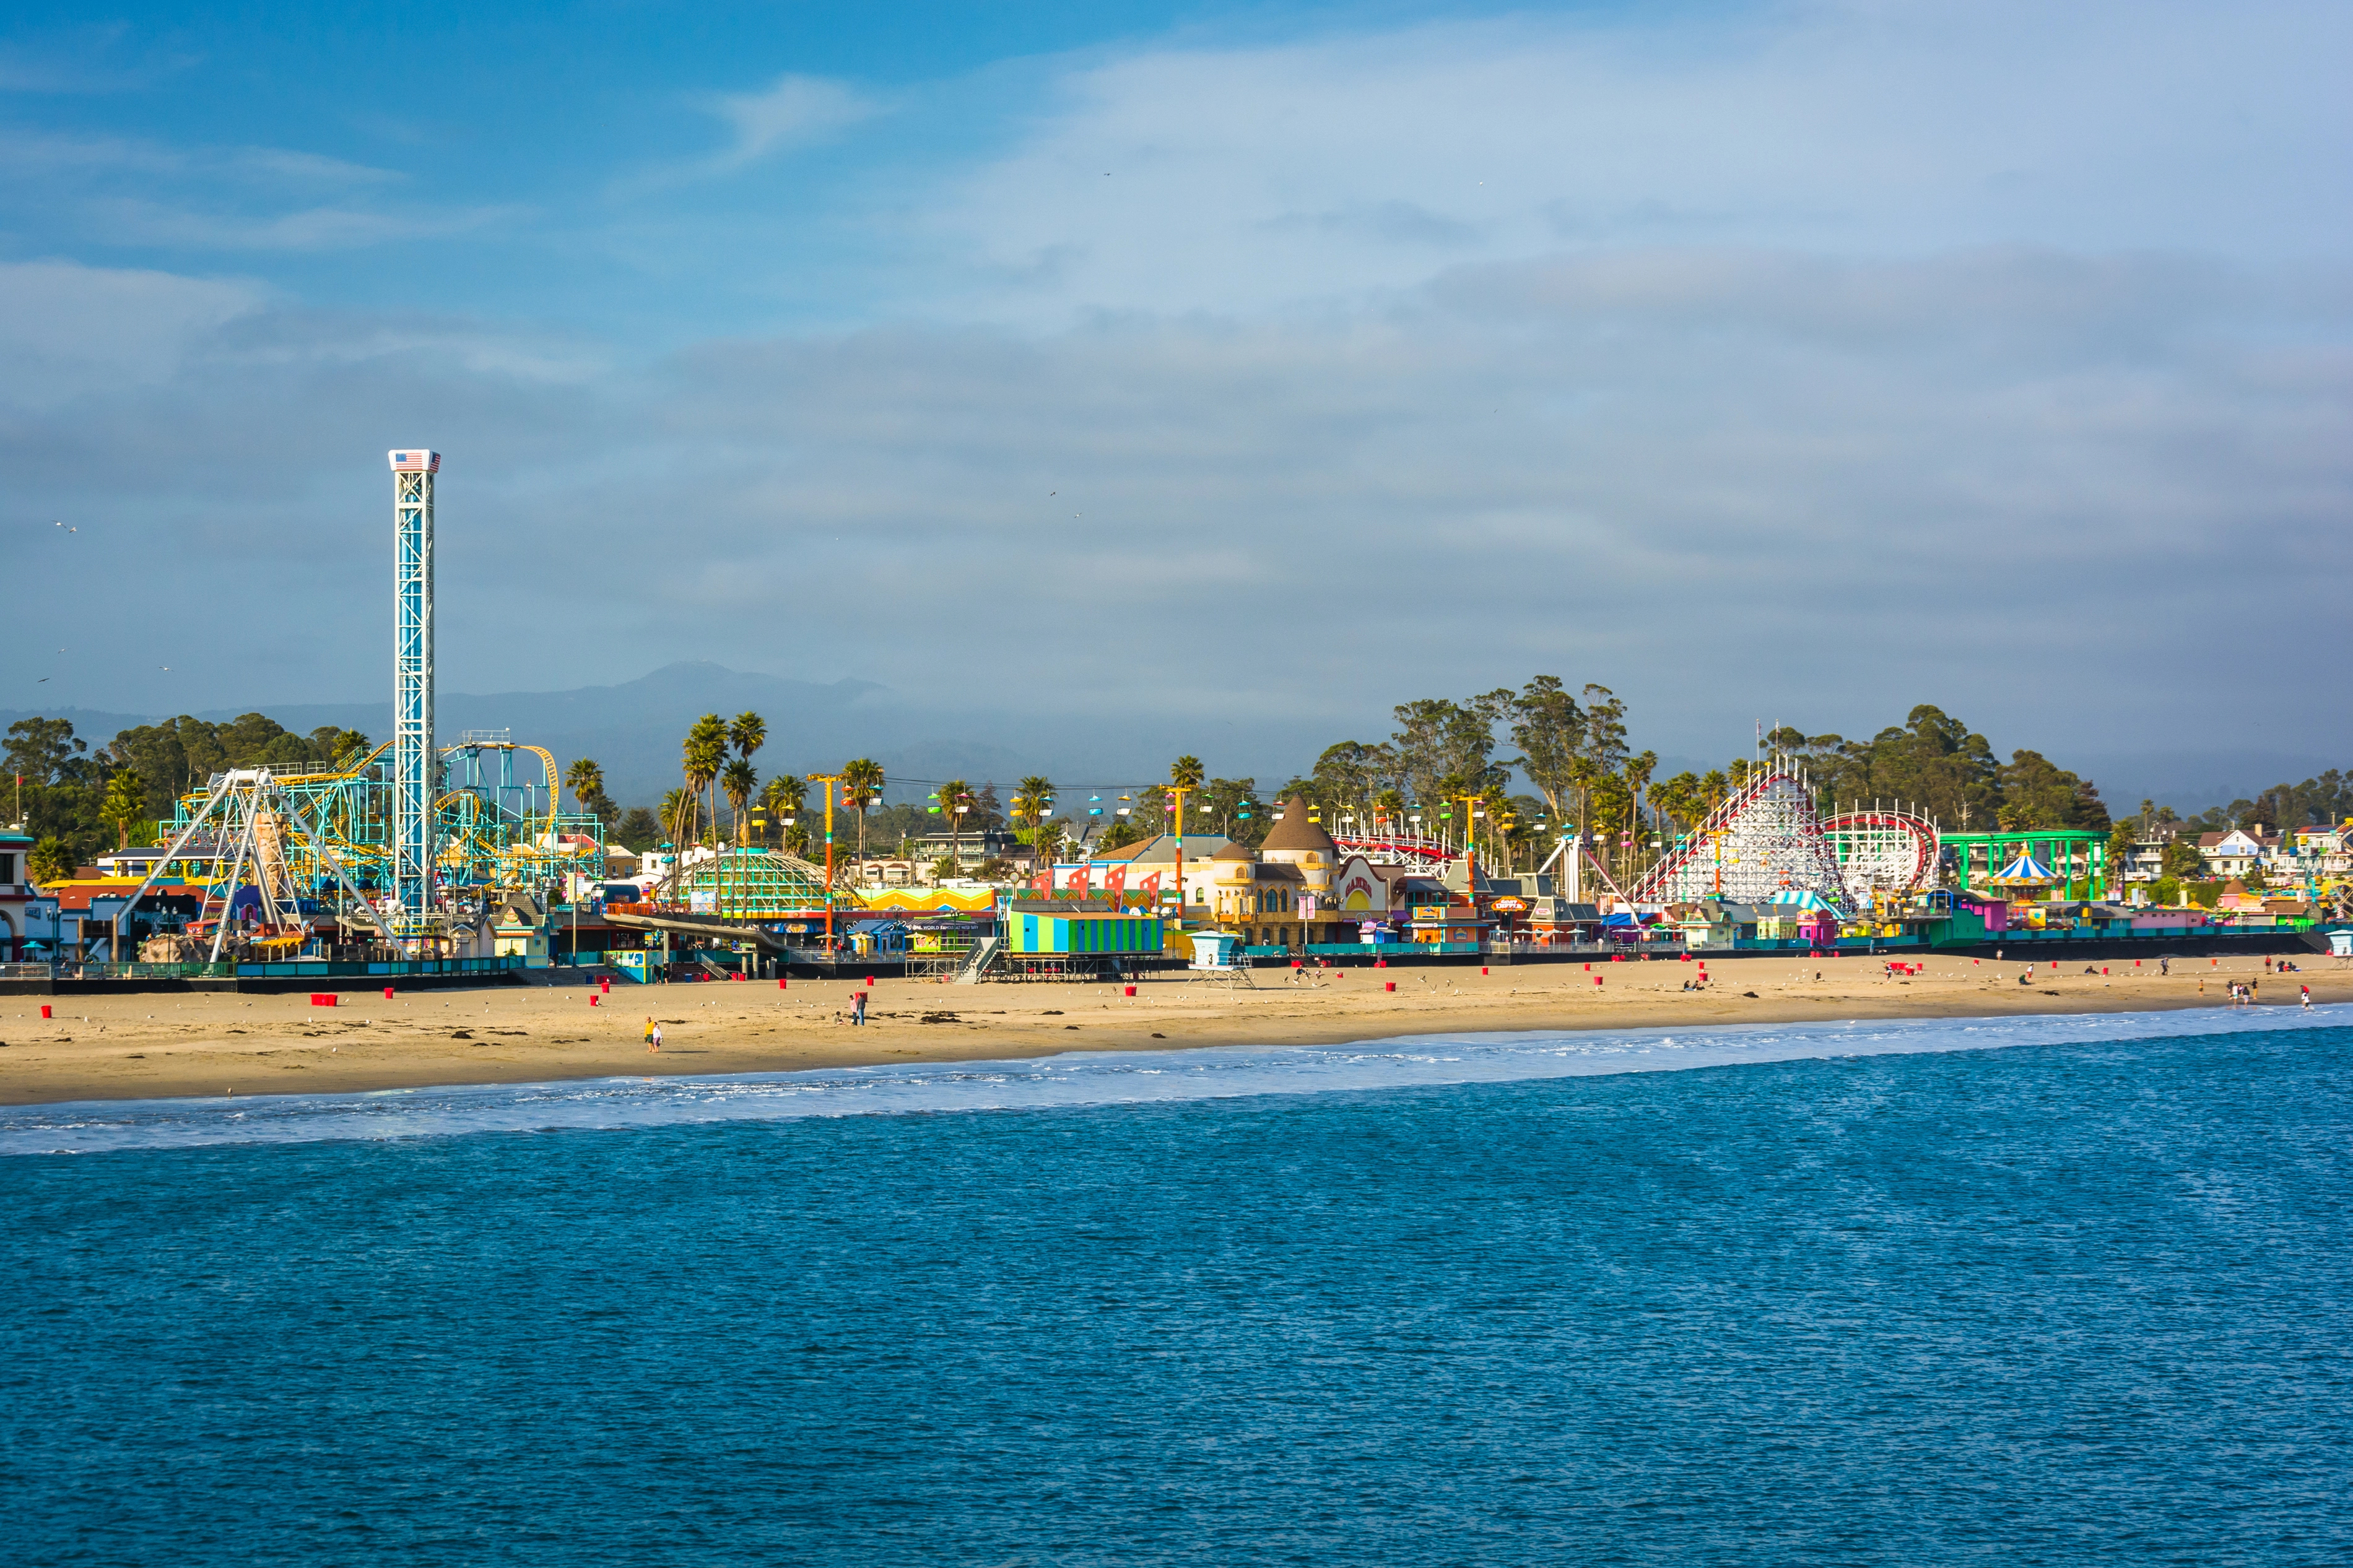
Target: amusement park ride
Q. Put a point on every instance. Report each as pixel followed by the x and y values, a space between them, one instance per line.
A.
pixel 1764 843
pixel 405 848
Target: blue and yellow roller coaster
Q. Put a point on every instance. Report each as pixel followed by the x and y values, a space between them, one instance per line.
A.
pixel 491 829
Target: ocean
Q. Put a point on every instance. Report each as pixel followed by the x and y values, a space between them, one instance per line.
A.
pixel 2029 1292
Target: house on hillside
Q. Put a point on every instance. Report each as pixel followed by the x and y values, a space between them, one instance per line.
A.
pixel 2238 853
pixel 2327 850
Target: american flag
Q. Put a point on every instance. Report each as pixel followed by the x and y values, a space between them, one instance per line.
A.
pixel 416 462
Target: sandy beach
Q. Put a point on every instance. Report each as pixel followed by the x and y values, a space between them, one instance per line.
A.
pixel 148 1047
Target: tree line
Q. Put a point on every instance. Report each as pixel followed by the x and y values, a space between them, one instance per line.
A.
pixel 1573 751
pixel 1569 748
pixel 79 804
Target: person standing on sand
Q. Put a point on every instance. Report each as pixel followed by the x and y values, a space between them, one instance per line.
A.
pixel 2305 992
pixel 653 1035
pixel 2164 965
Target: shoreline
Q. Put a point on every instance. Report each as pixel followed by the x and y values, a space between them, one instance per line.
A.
pixel 155 1047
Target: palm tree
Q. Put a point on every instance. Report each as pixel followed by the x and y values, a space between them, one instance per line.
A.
pixel 585 780
pixel 955 798
pixel 1033 795
pixel 50 861
pixel 747 735
pixel 703 753
pixel 862 788
pixel 736 781
pixel 1184 772
pixel 1037 792
pixel 785 796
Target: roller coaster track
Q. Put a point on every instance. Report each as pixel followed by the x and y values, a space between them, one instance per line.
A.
pixel 1884 849
pixel 1390 851
pixel 1760 842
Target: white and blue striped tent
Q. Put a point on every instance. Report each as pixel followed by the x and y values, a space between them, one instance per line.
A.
pixel 2023 871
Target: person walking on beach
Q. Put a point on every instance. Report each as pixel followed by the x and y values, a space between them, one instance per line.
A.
pixel 2306 996
pixel 2164 965
pixel 653 1035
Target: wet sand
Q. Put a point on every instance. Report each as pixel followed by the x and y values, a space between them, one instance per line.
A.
pixel 146 1047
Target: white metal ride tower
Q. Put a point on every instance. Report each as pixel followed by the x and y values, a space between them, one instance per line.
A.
pixel 412 688
pixel 1762 844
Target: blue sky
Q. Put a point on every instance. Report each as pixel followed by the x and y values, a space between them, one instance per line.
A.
pixel 1800 362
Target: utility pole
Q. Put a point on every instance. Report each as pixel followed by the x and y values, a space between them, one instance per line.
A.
pixel 1178 792
pixel 829 781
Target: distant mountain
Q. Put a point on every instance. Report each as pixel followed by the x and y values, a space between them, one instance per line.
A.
pixel 633 728
pixel 2190 781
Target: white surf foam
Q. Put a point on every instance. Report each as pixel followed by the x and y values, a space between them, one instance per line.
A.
pixel 1074 1078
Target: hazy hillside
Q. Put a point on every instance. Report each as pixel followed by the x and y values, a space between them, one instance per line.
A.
pixel 633 730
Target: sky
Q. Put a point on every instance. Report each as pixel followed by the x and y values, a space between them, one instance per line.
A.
pixel 1162 366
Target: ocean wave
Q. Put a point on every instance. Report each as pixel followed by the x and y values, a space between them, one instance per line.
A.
pixel 1075 1078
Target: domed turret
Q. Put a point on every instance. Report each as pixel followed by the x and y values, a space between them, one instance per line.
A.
pixel 1299 840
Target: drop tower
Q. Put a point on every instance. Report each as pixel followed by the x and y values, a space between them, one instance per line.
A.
pixel 413 472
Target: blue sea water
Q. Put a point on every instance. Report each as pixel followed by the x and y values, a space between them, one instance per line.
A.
pixel 2037 1292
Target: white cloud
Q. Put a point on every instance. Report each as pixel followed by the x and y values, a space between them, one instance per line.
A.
pixel 68 330
pixel 794 112
pixel 99 59
pixel 135 191
pixel 2022 484
pixel 127 220
pixel 1849 357
pixel 1244 179
pixel 26 154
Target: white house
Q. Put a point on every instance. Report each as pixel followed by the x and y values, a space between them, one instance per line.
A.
pixel 2236 853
